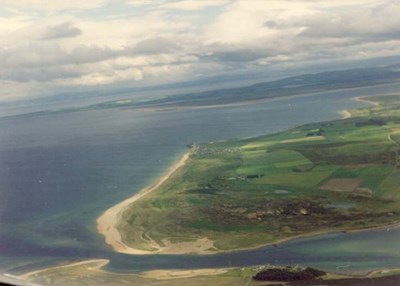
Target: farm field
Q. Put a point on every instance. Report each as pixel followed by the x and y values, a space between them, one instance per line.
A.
pixel 331 176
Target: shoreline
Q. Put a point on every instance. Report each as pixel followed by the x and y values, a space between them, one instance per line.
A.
pixel 252 101
pixel 309 235
pixel 96 265
pixel 99 264
pixel 345 114
pixel 108 221
pixel 365 99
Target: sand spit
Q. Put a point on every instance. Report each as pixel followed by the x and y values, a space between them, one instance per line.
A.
pixel 365 99
pixel 90 264
pixel 108 221
pixel 176 274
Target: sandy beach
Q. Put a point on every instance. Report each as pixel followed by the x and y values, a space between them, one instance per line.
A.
pixel 93 268
pixel 107 222
pixel 176 274
pixel 91 264
pixel 365 99
pixel 345 114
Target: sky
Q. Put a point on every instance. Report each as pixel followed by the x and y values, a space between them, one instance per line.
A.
pixel 47 46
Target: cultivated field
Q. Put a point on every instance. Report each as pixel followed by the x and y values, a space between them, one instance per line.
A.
pixel 329 176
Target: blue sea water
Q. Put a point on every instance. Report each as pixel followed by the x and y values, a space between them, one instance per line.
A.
pixel 59 172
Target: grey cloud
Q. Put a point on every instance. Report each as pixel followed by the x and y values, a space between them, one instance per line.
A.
pixel 45 55
pixel 271 24
pixel 38 74
pixel 153 46
pixel 64 30
pixel 48 60
pixel 239 55
pixel 377 24
pixel 90 54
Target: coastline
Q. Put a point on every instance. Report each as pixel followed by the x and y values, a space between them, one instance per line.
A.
pixel 80 273
pixel 345 114
pixel 308 235
pixel 169 274
pixel 108 221
pixel 99 263
pixel 252 101
pixel 366 100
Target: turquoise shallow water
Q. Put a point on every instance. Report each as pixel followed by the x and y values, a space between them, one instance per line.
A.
pixel 59 172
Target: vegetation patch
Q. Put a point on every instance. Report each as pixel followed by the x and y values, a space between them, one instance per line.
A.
pixel 247 193
pixel 288 274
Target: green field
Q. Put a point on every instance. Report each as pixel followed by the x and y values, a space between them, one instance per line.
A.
pixel 336 175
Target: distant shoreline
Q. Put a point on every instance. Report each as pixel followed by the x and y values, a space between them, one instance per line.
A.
pixel 167 107
pixel 365 99
pixel 194 107
pixel 347 114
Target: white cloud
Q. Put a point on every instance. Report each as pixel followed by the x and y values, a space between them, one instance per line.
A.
pixel 52 44
pixel 53 5
pixel 243 21
pixel 194 4
pixel 185 5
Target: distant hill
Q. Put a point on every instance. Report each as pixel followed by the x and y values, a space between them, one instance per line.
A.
pixel 302 84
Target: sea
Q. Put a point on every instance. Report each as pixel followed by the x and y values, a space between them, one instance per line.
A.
pixel 60 171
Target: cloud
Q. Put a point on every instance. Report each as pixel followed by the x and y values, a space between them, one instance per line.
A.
pixel 64 30
pixel 191 5
pixel 52 44
pixel 158 45
pixel 184 5
pixel 367 23
pixel 53 5
pixel 40 55
pixel 238 55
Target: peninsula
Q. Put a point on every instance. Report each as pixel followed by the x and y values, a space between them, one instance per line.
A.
pixel 340 175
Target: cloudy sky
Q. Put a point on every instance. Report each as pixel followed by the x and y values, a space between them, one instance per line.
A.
pixel 52 45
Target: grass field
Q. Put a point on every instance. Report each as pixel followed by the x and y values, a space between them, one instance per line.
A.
pixel 246 193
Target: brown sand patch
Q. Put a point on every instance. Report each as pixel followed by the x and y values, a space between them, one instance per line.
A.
pixel 201 245
pixel 341 185
pixel 365 192
pixel 178 274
